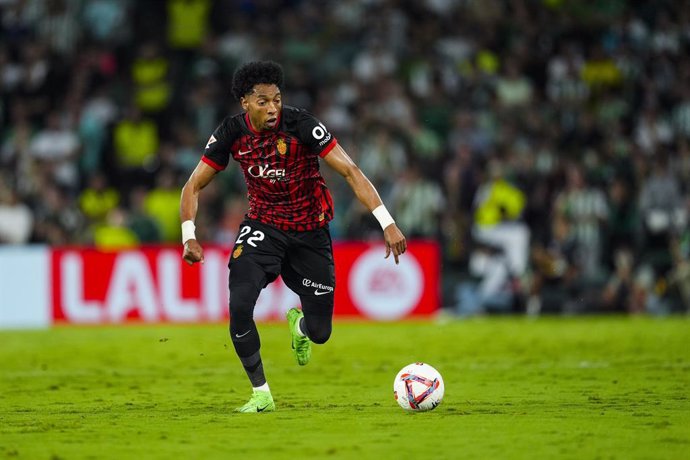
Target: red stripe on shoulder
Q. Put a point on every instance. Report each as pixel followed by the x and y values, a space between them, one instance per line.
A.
pixel 212 163
pixel 331 145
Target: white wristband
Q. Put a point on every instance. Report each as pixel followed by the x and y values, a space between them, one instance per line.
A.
pixel 383 216
pixel 188 231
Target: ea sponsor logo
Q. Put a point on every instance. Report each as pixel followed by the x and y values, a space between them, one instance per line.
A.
pixel 383 290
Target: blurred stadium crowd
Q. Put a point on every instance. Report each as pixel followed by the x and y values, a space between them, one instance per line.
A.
pixel 544 143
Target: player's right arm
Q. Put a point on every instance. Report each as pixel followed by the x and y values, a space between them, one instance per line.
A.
pixel 202 175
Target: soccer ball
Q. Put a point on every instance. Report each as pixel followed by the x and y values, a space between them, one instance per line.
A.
pixel 418 387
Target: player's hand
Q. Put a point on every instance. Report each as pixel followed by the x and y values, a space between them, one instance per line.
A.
pixel 395 241
pixel 193 252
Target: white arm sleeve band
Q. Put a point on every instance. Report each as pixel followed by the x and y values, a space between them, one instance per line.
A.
pixel 383 216
pixel 188 231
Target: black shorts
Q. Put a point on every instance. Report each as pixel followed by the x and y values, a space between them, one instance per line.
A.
pixel 303 259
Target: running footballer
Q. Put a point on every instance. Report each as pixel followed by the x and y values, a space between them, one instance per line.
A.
pixel 285 231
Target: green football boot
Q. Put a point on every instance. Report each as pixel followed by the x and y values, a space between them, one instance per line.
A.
pixel 261 401
pixel 301 346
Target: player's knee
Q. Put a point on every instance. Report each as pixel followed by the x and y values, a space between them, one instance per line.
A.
pixel 320 334
pixel 321 337
pixel 242 300
pixel 318 320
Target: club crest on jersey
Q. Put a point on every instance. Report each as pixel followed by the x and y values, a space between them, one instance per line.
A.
pixel 237 252
pixel 282 146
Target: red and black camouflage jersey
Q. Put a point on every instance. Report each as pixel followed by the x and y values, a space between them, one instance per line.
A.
pixel 281 167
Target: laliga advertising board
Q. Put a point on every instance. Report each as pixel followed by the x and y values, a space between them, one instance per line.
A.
pixel 153 284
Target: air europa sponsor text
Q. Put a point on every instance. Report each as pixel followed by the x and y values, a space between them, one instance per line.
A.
pixel 310 283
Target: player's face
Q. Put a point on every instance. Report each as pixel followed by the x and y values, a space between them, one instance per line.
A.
pixel 263 105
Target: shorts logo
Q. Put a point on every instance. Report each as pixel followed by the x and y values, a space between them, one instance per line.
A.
pixel 321 289
pixel 237 252
pixel 281 146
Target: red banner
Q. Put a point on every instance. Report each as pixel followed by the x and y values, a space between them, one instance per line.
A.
pixel 153 284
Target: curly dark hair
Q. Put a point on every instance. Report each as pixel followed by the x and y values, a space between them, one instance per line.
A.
pixel 255 73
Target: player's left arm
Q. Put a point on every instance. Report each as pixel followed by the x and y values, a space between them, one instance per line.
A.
pixel 366 193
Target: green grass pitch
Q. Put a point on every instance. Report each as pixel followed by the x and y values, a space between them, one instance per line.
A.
pixel 579 388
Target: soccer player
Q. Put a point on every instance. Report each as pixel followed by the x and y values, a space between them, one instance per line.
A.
pixel 285 231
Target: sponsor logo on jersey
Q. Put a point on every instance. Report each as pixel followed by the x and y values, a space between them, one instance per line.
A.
pixel 237 252
pixel 281 146
pixel 266 172
pixel 211 140
pixel 325 140
pixel 321 134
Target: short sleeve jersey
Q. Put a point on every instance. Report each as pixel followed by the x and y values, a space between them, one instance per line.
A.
pixel 281 167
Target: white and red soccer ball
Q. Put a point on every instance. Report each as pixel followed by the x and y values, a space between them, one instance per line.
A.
pixel 418 387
